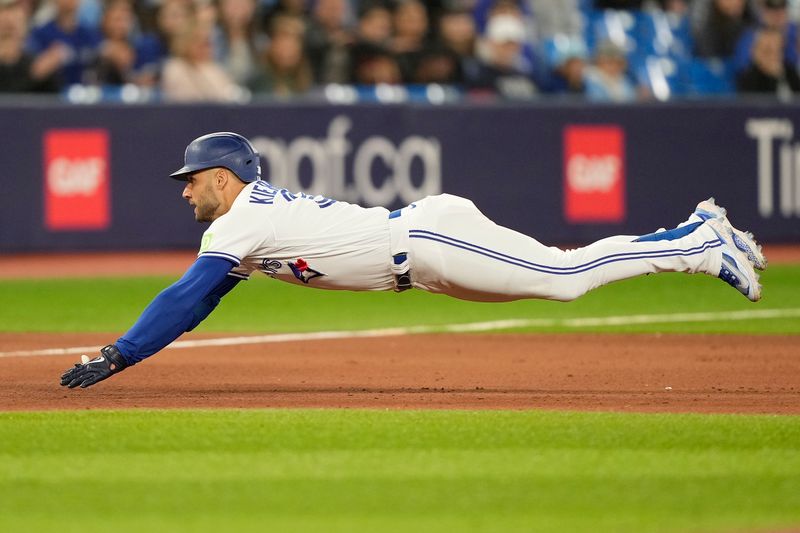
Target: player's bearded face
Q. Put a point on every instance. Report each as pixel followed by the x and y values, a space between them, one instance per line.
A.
pixel 206 203
pixel 200 194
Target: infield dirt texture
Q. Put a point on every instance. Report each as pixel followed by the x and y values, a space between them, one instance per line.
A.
pixel 639 372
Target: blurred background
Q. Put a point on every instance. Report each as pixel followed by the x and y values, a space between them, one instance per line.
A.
pixel 566 119
pixel 250 50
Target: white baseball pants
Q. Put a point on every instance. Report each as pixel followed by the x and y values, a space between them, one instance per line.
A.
pixel 455 250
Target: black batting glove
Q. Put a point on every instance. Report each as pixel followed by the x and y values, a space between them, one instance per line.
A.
pixel 86 374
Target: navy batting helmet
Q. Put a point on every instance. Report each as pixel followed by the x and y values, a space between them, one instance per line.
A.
pixel 221 149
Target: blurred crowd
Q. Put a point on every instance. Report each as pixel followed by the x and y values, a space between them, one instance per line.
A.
pixel 236 50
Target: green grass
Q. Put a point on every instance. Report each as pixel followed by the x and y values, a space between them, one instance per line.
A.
pixel 301 470
pixel 263 305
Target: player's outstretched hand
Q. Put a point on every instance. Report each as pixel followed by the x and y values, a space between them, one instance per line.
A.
pixel 88 372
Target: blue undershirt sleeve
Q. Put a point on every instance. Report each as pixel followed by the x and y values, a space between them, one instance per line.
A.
pixel 178 308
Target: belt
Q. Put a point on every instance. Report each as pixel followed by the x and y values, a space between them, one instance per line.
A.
pixel 399 243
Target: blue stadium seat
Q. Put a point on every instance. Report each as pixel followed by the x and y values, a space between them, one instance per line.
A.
pixel 669 78
pixel 663 76
pixel 619 27
pixel 710 77
pixel 664 35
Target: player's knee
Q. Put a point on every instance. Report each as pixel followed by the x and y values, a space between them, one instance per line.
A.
pixel 566 292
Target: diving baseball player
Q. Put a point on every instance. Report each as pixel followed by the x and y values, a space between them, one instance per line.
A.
pixel 442 244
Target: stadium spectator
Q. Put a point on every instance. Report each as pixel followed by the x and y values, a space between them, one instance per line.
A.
pixel 284 71
pixel 527 61
pixel 64 45
pixel 570 76
pixel 769 72
pixel 28 7
pixel 568 61
pixel 484 10
pixel 673 7
pixel 437 64
pixel 717 25
pixel 116 57
pixel 205 12
pixel 328 41
pixel 771 14
pixel 387 34
pixel 373 64
pixel 618 4
pixel 371 46
pixel 410 27
pixel 607 80
pixel 374 23
pixel 19 72
pixel 152 49
pixel 411 37
pixel 192 75
pixel 173 16
pixel 276 8
pixel 456 30
pixel 499 57
pixel 237 40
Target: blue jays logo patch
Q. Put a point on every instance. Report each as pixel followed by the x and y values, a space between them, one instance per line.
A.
pixel 303 272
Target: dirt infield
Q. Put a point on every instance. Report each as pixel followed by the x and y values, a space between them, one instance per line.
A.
pixel 650 373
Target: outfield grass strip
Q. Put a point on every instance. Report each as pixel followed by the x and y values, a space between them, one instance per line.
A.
pixel 471 327
pixel 342 470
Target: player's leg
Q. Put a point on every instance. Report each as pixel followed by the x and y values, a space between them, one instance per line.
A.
pixel 456 250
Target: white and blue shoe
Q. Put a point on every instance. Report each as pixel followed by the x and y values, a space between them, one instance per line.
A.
pixel 742 240
pixel 737 269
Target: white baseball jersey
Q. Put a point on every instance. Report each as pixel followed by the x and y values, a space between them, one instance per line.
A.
pixel 303 239
pixel 449 246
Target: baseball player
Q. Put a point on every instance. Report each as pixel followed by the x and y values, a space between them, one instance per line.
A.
pixel 441 244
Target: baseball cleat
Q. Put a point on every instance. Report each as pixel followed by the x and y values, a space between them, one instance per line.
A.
pixel 737 270
pixel 743 240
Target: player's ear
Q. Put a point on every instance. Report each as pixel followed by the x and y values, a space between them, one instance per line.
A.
pixel 221 177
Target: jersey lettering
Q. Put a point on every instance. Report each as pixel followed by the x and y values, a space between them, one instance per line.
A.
pixel 264 193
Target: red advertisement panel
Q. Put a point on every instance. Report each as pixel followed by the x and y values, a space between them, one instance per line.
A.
pixel 76 180
pixel 594 174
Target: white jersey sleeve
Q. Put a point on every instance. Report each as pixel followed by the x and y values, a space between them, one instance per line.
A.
pixel 235 235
